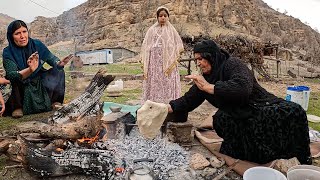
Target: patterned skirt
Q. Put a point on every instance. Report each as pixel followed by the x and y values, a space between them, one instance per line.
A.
pixel 277 131
pixel 158 87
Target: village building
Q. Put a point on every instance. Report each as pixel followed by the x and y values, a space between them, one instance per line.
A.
pixel 105 55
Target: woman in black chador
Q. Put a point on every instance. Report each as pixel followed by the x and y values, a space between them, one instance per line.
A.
pixel 256 125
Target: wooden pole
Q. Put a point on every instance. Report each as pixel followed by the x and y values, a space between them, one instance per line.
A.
pixel 278 63
pixel 189 67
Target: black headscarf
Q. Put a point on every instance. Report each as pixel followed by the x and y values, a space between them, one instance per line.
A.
pixel 217 59
pixel 20 55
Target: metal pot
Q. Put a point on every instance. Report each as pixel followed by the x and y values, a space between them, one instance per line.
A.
pixel 141 173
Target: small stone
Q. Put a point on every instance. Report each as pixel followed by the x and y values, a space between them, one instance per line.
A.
pixel 198 161
pixel 283 165
pixel 216 162
pixel 208 171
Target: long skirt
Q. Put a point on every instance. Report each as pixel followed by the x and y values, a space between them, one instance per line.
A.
pixel 277 131
pixel 158 87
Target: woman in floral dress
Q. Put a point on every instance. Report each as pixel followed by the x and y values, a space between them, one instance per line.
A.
pixel 160 51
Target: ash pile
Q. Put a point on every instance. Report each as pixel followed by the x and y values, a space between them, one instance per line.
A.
pixel 163 159
pixel 137 156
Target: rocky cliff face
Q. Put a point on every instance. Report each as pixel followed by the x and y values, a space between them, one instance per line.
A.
pixel 5 20
pixel 100 23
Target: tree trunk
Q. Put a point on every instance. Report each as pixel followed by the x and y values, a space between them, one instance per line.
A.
pixel 85 127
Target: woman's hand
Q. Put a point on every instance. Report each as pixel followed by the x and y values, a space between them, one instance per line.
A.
pixel 201 83
pixel 2 105
pixel 169 108
pixel 65 60
pixel 4 81
pixel 33 62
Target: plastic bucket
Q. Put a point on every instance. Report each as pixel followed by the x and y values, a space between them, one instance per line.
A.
pixel 299 95
pixel 263 173
pixel 306 96
pixel 304 172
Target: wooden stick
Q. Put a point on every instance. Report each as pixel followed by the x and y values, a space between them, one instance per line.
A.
pixel 8 137
pixel 207 140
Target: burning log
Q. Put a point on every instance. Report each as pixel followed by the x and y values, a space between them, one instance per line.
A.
pixel 99 163
pixel 80 118
pixel 85 127
pixel 55 144
pixel 86 103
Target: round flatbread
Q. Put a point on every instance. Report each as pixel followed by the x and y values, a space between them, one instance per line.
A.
pixel 150 118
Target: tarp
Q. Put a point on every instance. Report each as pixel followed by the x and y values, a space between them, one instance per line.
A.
pixel 124 108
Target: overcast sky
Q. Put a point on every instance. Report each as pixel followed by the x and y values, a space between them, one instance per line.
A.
pixel 306 10
pixel 26 10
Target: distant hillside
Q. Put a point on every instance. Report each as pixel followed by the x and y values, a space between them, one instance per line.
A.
pixel 5 20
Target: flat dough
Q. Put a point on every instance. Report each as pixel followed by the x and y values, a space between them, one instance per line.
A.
pixel 150 118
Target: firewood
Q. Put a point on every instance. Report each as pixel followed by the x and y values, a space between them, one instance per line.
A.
pixel 85 127
pixel 57 143
pixel 77 119
pixel 98 163
pixel 4 145
pixel 86 102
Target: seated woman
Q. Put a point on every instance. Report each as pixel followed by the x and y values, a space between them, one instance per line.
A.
pixel 3 81
pixel 256 125
pixel 34 89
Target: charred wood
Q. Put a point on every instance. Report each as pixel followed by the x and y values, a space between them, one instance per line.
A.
pixel 98 163
pixel 87 103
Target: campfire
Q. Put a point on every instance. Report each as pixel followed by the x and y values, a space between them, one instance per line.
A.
pixel 79 139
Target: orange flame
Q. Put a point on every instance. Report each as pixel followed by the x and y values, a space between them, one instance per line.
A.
pixel 119 169
pixel 89 140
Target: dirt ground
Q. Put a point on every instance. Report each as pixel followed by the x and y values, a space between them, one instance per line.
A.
pixel 196 117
